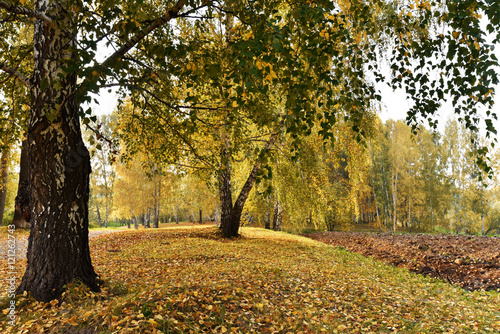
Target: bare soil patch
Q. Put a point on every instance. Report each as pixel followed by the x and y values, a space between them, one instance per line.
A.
pixel 471 262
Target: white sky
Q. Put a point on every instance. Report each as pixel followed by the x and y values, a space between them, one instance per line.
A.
pixel 394 105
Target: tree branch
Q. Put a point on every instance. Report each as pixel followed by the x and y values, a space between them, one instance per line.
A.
pixel 172 13
pixel 24 11
pixel 179 135
pixel 19 76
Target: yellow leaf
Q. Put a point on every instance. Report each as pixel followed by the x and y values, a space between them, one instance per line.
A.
pixel 223 329
pixel 456 34
pixel 235 104
pixel 258 63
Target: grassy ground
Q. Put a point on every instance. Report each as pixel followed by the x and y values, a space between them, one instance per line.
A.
pixel 112 226
pixel 189 280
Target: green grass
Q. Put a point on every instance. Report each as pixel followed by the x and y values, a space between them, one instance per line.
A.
pixel 186 280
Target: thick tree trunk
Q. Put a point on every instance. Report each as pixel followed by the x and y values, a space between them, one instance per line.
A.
pixel 58 246
pixel 231 214
pixel 4 178
pixel 22 212
pixel 226 198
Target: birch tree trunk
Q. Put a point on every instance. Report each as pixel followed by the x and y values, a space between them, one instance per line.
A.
pixel 225 192
pixel 58 250
pixel 278 216
pixel 267 219
pixel 99 221
pixel 395 201
pixel 231 214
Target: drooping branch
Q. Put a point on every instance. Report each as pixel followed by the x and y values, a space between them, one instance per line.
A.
pixel 19 76
pixel 179 135
pixel 24 11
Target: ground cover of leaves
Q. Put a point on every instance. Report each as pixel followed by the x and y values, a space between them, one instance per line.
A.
pixel 471 262
pixel 191 280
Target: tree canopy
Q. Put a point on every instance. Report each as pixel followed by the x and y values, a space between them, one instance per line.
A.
pixel 234 67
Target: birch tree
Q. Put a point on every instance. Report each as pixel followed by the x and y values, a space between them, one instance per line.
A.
pixel 65 36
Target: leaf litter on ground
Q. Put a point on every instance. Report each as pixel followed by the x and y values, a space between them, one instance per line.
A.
pixel 191 280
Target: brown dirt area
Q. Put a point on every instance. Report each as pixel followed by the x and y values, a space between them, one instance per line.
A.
pixel 470 262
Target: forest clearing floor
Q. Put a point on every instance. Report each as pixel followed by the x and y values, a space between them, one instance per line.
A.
pixel 471 262
pixel 191 280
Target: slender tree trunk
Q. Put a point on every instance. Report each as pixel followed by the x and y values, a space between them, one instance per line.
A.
pixel 278 216
pixel 58 246
pixel 430 201
pixel 99 220
pixel 4 178
pixel 409 212
pixel 217 216
pixel 482 218
pixel 156 216
pixel 22 212
pixel 106 217
pixel 156 222
pixel 376 208
pixel 267 219
pixel 395 201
